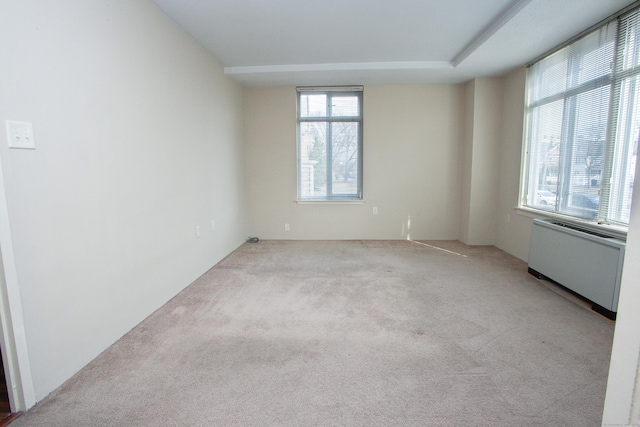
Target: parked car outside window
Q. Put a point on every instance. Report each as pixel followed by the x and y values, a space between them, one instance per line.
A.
pixel 545 198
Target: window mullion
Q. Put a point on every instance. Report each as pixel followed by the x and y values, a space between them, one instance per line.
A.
pixel 314 119
pixel 566 152
pixel 329 149
pixel 624 157
pixel 584 87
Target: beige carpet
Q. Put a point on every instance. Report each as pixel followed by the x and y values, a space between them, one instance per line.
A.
pixel 350 333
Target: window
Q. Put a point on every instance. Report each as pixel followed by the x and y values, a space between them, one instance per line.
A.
pixel 330 143
pixel 583 125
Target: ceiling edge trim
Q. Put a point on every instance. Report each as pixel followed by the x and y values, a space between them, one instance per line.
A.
pixel 351 66
pixel 512 10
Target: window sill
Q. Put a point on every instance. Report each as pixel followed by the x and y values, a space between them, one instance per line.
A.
pixel 616 230
pixel 331 202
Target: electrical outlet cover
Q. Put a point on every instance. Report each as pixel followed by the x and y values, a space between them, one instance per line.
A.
pixel 20 135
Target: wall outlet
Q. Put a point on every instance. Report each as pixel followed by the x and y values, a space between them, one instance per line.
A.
pixel 375 210
pixel 508 217
pixel 286 227
pixel 213 225
pixel 197 231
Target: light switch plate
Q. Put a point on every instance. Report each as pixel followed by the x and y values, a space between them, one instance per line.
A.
pixel 20 135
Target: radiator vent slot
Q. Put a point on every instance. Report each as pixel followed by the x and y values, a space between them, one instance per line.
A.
pixel 585 261
pixel 581 229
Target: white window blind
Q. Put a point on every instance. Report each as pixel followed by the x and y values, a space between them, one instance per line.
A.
pixel 583 125
pixel 625 123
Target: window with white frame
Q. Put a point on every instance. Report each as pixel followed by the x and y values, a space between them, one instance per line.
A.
pixel 330 143
pixel 583 125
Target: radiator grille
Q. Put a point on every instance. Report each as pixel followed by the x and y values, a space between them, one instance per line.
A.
pixel 582 230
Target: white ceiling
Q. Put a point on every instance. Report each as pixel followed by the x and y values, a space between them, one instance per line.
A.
pixel 332 42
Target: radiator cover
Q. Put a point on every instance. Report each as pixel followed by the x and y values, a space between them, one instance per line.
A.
pixel 586 262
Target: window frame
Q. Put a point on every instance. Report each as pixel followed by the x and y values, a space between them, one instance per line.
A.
pixel 330 120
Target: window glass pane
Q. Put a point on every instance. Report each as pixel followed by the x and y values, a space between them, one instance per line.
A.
pixel 592 56
pixel 630 38
pixel 582 160
pixel 626 149
pixel 566 156
pixel 344 106
pixel 548 77
pixel 313 105
pixel 344 137
pixel 585 60
pixel 313 159
pixel 544 155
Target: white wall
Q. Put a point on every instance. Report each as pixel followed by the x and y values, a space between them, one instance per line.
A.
pixel 139 139
pixel 467 160
pixel 480 171
pixel 622 403
pixel 513 229
pixel 412 138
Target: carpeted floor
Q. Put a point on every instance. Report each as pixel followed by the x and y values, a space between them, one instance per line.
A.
pixel 357 333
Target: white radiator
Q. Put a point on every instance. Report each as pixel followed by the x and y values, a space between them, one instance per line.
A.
pixel 587 262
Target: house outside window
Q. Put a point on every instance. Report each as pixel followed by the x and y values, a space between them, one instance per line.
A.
pixel 330 143
pixel 583 125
